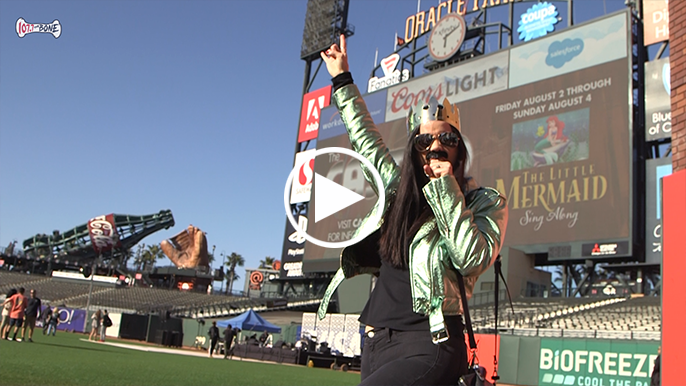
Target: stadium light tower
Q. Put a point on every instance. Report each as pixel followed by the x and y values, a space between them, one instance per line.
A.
pixel 325 21
pixel 94 265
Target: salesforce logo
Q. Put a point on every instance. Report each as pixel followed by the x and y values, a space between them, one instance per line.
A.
pixel 562 52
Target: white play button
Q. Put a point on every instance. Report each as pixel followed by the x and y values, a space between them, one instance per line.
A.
pixel 331 197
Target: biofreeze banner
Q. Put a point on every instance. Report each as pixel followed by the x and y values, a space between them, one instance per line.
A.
pixel 585 362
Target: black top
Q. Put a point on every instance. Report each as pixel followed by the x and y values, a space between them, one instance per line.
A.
pixel 32 307
pixel 214 332
pixel 229 334
pixel 390 304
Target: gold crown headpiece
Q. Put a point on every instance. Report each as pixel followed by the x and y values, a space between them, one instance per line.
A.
pixel 433 111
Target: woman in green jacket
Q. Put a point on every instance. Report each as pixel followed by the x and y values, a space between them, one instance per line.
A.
pixel 437 224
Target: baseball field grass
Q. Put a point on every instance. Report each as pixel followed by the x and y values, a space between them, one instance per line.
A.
pixel 66 359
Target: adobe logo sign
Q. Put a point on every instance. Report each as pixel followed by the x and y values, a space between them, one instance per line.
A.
pixel 313 103
pixel 302 181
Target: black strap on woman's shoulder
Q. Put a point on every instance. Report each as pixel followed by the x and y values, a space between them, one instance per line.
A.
pixel 465 312
pixel 465 306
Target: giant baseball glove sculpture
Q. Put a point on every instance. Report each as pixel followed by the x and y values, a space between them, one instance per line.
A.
pixel 187 249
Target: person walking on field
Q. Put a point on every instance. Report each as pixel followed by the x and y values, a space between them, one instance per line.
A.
pixel 106 322
pixel 95 325
pixel 229 335
pixel 45 315
pixel 214 337
pixel 53 320
pixel 33 307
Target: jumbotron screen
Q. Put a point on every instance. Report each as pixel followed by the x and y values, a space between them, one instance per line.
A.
pixel 549 125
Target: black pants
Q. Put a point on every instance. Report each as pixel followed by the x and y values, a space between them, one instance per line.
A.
pixel 228 350
pixel 213 345
pixel 394 357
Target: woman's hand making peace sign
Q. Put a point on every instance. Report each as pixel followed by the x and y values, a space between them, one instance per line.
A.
pixel 336 58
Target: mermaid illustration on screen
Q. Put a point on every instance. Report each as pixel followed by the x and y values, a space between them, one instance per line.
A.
pixel 549 149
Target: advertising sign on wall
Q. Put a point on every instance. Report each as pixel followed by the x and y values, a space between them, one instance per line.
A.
pixel 470 80
pixel 548 124
pixel 332 125
pixel 537 21
pixel 569 51
pixel 655 21
pixel 658 102
pixel 655 170
pixel 596 362
pixel 392 75
pixel 70 319
pixel 557 143
pixel 103 233
pixel 313 103
pixel 293 249
pixel 341 331
pixel 302 182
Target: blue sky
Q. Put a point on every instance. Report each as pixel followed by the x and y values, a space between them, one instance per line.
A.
pixel 189 106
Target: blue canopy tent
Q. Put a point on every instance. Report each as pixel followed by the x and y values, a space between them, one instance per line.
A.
pixel 249 321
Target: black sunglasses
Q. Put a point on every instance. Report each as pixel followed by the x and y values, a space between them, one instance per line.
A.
pixel 422 142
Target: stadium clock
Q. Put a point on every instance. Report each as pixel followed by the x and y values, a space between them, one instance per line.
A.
pixel 447 37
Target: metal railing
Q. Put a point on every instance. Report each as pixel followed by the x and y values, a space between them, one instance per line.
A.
pixel 573 333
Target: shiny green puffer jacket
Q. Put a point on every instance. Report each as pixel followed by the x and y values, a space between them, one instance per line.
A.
pixel 471 227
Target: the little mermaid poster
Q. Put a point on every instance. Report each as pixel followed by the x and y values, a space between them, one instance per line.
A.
pixel 549 140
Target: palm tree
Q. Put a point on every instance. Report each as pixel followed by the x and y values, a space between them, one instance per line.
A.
pixel 138 260
pixel 234 260
pixel 210 256
pixel 126 254
pixel 151 255
pixel 267 262
pixel 236 277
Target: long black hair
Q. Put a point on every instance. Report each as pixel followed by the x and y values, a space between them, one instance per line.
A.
pixel 11 292
pixel 408 209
